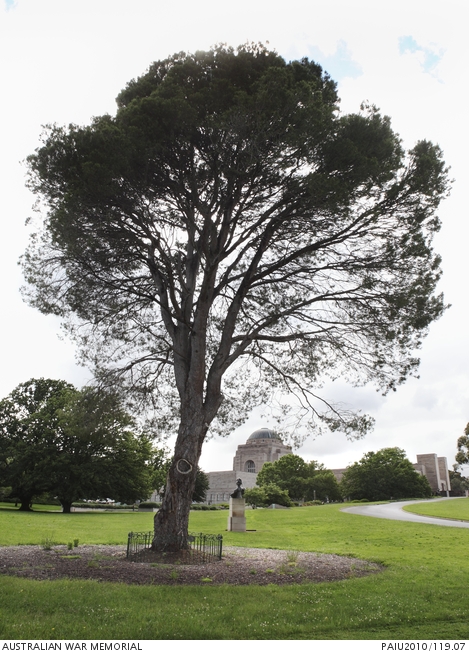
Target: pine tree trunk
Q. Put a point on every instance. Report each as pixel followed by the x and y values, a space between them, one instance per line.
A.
pixel 172 520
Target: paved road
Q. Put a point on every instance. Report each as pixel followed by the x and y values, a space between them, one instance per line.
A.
pixel 394 511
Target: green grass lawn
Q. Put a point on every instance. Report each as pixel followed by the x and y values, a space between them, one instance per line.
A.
pixel 456 509
pixel 421 594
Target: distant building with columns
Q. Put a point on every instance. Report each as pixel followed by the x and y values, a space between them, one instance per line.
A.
pixel 262 446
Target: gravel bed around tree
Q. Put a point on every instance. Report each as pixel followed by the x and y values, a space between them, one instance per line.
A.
pixel 239 566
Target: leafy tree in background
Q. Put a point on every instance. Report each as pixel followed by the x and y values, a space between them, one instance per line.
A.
pixel 302 481
pixel 228 238
pixel 459 483
pixel 290 473
pixel 384 475
pixel 75 444
pixel 462 455
pixel 98 452
pixel 28 426
pixel 255 497
pixel 273 494
pixel 323 486
pixel 201 487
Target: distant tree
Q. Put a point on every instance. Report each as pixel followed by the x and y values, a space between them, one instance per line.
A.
pixel 98 452
pixel 255 496
pixel 323 486
pixel 5 493
pixel 462 455
pixel 290 473
pixel 160 466
pixel 29 424
pixel 202 485
pixel 75 444
pixel 384 475
pixel 230 215
pixel 459 483
pixel 276 495
pixel 301 480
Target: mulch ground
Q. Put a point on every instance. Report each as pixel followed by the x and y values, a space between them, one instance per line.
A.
pixel 239 566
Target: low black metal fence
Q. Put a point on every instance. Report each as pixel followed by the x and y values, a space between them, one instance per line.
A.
pixel 137 543
pixel 203 548
pixel 207 546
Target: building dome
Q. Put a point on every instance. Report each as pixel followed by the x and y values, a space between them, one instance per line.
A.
pixel 262 433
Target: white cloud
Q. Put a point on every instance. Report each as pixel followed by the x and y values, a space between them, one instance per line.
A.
pixel 429 57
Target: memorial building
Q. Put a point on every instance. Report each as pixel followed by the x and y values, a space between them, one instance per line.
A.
pixel 262 445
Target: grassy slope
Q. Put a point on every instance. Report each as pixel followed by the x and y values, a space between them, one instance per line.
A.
pixel 422 593
pixel 457 509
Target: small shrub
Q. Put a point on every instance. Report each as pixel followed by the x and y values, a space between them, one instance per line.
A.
pixel 48 542
pixel 75 542
pixel 292 557
pixel 70 546
pixel 290 568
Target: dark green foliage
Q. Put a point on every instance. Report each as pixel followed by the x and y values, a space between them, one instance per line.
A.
pixel 459 483
pixel 290 473
pixel 462 455
pixel 74 444
pixel 29 423
pixel 302 481
pixel 255 497
pixel 202 485
pixel 384 475
pixel 323 486
pixel 227 197
pixel 276 495
pixel 98 452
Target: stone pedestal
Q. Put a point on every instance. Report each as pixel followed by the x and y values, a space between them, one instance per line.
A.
pixel 236 517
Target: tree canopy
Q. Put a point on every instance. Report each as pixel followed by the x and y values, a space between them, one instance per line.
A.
pixel 29 423
pixel 302 481
pixel 229 237
pixel 74 444
pixel 462 455
pixel 384 475
pixel 459 483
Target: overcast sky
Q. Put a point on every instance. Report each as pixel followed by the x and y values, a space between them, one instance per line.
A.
pixel 64 61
